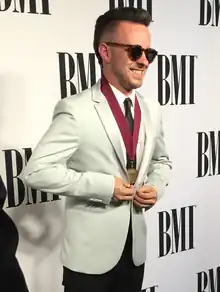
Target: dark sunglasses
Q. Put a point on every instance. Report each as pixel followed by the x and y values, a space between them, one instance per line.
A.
pixel 136 51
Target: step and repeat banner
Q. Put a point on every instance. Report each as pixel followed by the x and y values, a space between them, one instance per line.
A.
pixel 46 54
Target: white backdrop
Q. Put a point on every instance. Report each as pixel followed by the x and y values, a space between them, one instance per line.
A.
pixel 31 44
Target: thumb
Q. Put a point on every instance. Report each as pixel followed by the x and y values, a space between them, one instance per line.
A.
pixel 127 185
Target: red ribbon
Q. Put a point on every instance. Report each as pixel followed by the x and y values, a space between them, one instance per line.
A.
pixel 130 141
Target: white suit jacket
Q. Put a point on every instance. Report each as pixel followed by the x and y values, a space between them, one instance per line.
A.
pixel 78 157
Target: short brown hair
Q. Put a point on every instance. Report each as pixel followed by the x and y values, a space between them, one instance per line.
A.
pixel 108 21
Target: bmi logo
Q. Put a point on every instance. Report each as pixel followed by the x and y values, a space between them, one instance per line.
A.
pixel 26 6
pixel 176 230
pixel 77 72
pixel 145 4
pixel 209 12
pixel 209 281
pixel 176 79
pixel 208 153
pixel 18 193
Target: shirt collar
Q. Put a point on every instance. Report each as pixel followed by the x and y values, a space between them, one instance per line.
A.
pixel 121 97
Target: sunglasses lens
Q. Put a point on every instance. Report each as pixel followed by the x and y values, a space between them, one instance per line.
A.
pixel 150 55
pixel 135 53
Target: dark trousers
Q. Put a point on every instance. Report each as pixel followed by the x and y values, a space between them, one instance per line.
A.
pixel 125 276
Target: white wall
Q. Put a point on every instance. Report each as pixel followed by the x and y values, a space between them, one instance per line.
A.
pixel 31 44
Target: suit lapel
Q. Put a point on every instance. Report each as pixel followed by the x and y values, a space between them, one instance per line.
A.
pixel 146 120
pixel 108 121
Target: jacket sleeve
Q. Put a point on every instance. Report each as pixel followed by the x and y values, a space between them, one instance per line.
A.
pixel 47 168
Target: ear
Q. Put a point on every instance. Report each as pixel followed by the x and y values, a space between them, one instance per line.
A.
pixel 104 52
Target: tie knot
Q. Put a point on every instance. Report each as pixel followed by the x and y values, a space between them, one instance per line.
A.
pixel 128 102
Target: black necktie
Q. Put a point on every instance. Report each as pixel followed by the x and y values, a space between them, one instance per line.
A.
pixel 128 114
pixel 130 120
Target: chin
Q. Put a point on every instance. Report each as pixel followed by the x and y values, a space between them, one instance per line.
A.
pixel 136 84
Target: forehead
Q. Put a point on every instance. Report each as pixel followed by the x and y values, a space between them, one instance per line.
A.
pixel 132 33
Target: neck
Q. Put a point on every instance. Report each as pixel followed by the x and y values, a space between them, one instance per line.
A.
pixel 114 82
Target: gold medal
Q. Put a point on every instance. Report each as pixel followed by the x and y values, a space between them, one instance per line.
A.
pixel 132 175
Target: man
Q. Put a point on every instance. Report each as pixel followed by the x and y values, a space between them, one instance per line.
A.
pixel 105 152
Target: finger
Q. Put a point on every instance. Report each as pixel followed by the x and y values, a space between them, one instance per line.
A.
pixel 127 192
pixel 127 185
pixel 140 200
pixel 125 198
pixel 142 190
pixel 146 189
pixel 146 196
pixel 145 201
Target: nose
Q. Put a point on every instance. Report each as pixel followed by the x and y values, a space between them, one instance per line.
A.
pixel 143 60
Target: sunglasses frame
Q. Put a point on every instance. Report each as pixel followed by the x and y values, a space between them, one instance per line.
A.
pixel 129 48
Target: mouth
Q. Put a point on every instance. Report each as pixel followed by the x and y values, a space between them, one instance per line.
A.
pixel 137 72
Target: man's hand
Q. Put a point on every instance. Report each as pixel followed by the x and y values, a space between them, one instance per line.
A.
pixel 145 197
pixel 123 191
